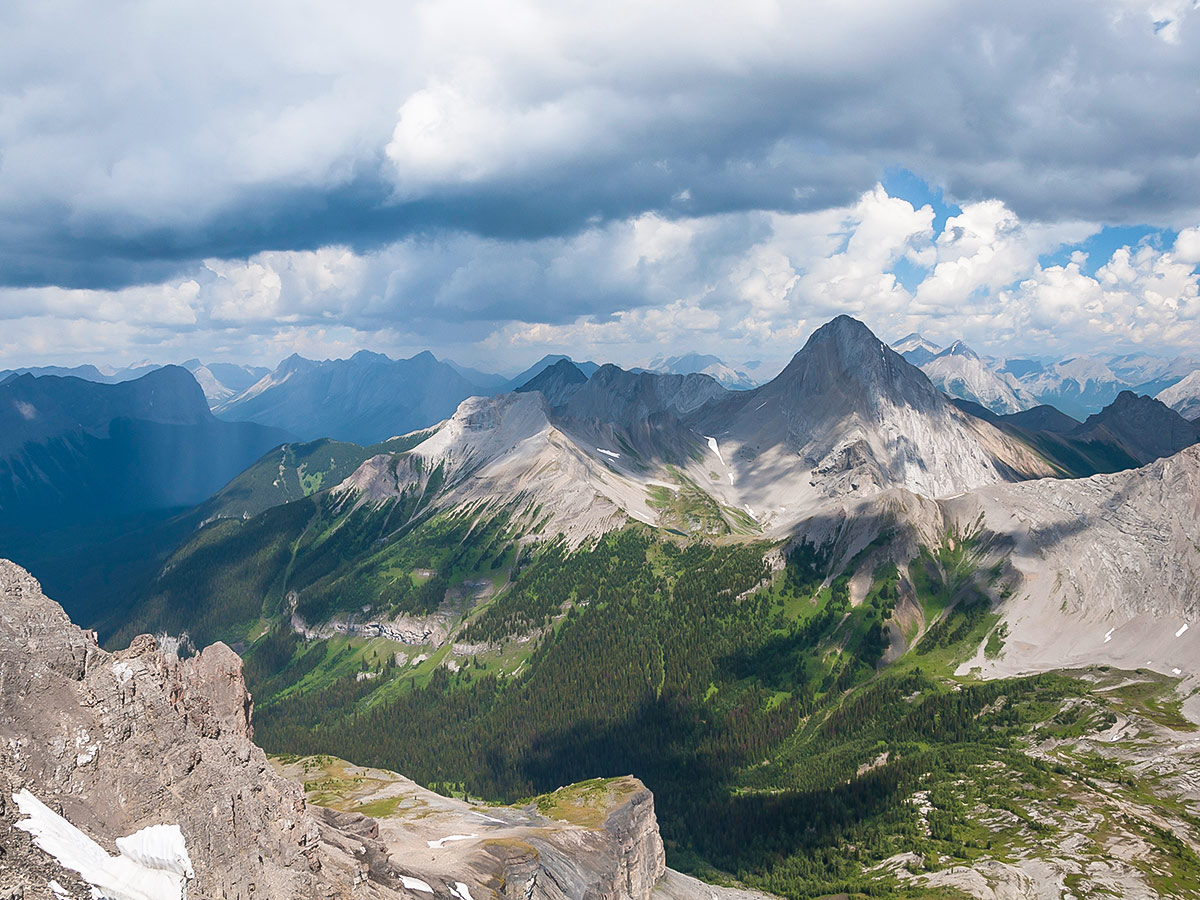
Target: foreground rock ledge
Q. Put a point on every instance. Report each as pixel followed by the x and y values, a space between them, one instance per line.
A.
pixel 118 741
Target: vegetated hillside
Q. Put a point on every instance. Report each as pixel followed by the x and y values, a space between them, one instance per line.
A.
pixel 295 470
pixel 363 400
pixel 776 725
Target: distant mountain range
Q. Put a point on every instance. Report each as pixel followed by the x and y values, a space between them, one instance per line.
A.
pixel 1078 386
pixel 703 364
pixel 756 572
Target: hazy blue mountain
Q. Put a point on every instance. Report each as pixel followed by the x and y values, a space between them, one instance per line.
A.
pixel 704 364
pixel 87 372
pixel 488 382
pixel 556 382
pixel 587 368
pixel 75 449
pixel 364 399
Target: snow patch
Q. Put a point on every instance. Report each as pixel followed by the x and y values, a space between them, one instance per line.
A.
pixel 712 443
pixel 415 884
pixel 1176 672
pixel 1108 635
pixel 1180 632
pixel 489 818
pixel 440 843
pixel 153 865
pixel 463 891
pixel 608 453
pixel 730 474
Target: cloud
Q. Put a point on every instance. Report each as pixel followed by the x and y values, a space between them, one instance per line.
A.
pixel 139 142
pixel 740 284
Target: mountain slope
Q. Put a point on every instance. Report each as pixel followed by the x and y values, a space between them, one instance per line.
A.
pixel 1184 396
pixel 362 400
pixel 556 383
pixel 849 415
pixel 959 372
pixel 1145 428
pixel 84 450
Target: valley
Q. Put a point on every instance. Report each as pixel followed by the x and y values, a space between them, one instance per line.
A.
pixel 854 637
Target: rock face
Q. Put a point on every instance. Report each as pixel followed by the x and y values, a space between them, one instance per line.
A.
pixel 1184 396
pixel 959 372
pixel 597 840
pixel 115 742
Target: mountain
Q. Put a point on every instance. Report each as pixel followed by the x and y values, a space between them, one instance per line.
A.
pixel 143 744
pixel 220 381
pixel 557 382
pixel 362 400
pixel 587 368
pixel 1129 432
pixel 848 415
pixel 1147 374
pixel 86 372
pixel 73 448
pixel 772 606
pixel 1043 418
pixel 916 349
pixel 959 372
pixel 1078 386
pixel 487 382
pixel 703 364
pixel 1145 428
pixel 1184 396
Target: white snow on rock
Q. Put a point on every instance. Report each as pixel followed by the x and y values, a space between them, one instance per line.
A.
pixel 415 884
pixel 153 865
pixel 608 453
pixel 712 443
pixel 1180 632
pixel 462 891
pixel 1108 635
pixel 441 842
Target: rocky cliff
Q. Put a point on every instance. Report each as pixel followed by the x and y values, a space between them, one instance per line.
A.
pixel 114 742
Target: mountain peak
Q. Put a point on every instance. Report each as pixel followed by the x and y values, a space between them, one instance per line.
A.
pixel 958 348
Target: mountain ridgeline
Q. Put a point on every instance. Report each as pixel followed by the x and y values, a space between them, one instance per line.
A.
pixel 855 636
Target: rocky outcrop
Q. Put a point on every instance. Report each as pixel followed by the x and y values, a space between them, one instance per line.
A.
pixel 116 742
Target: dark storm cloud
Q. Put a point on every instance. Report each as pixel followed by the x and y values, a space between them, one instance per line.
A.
pixel 138 139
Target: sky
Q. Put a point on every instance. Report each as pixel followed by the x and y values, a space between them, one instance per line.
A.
pixel 495 181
